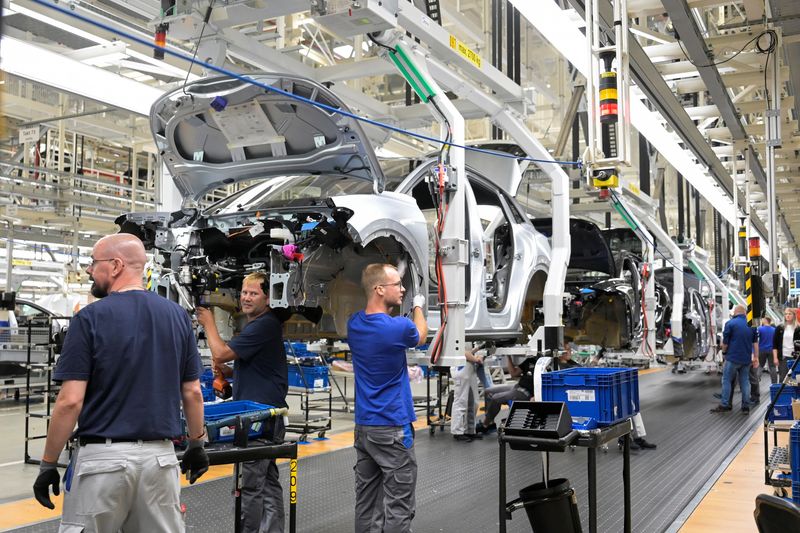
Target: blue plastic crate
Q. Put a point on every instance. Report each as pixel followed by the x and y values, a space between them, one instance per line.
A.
pixel 314 377
pixel 796 493
pixel 789 363
pixel 220 411
pixel 783 407
pixel 298 349
pixel 607 395
pixel 794 452
pixel 207 379
pixel 208 394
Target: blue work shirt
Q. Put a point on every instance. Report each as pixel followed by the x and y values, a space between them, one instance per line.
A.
pixel 766 335
pixel 135 349
pixel 378 344
pixel 260 372
pixel 740 338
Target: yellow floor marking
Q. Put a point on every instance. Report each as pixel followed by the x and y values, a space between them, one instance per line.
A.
pixel 651 370
pixel 28 511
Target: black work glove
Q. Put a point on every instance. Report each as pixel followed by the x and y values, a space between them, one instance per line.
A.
pixel 195 461
pixel 48 476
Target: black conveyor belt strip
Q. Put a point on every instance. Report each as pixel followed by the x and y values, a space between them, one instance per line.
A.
pixel 457 486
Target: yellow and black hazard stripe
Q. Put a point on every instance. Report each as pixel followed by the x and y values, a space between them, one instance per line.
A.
pixel 748 293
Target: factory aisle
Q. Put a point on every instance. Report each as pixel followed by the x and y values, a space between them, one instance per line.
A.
pixel 457 487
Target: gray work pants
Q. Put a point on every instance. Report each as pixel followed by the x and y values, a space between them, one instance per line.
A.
pixel 498 395
pixel 386 478
pixel 755 374
pixel 262 495
pixel 123 486
pixel 465 399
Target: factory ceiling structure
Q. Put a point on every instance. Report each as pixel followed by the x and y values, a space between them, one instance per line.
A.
pixel 702 71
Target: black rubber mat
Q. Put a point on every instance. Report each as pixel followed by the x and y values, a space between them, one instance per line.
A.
pixel 457 485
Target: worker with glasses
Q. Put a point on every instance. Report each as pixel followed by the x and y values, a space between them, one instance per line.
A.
pixel 129 360
pixel 386 466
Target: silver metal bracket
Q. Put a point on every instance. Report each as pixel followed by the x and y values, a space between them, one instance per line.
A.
pixel 454 251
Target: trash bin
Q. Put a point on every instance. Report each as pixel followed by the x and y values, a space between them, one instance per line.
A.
pixel 551 508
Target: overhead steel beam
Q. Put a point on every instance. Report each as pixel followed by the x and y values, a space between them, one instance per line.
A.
pixel 437 39
pixel 791 46
pixel 569 117
pixel 652 84
pixel 684 23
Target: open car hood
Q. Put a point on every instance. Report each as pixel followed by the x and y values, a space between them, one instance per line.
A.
pixel 223 130
pixel 588 249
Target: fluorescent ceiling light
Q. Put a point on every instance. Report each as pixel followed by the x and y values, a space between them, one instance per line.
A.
pixel 16 8
pixel 555 25
pixel 50 68
pixel 346 50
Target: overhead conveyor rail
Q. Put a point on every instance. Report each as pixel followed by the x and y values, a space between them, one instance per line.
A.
pixel 640 213
pixel 550 337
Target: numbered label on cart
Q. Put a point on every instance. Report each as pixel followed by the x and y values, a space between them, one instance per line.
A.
pixel 580 395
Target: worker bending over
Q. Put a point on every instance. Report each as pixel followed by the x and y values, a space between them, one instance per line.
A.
pixel 128 361
pixel 259 375
pixel 386 467
pixel 498 395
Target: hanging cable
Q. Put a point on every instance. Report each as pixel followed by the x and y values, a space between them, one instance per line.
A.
pixel 206 18
pixel 768 50
pixel 756 39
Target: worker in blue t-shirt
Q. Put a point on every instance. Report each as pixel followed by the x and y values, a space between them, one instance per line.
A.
pixel 259 375
pixel 766 332
pixel 740 346
pixel 129 360
pixel 386 467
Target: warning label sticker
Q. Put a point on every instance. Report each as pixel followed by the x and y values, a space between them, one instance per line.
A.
pixel 580 395
pixel 465 51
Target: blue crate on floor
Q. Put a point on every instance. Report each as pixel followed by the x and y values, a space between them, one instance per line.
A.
pixel 607 395
pixel 794 452
pixel 220 411
pixel 313 377
pixel 783 407
pixel 796 493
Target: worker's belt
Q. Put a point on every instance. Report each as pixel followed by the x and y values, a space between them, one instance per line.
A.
pixel 83 441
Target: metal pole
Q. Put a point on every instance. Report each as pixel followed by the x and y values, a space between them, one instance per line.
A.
pixel 502 491
pixel 592 467
pixel 9 256
pixel 773 141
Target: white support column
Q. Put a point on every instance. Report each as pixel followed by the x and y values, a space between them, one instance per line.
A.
pixel 551 335
pixel 413 62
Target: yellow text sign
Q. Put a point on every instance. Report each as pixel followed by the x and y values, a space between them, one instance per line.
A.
pixel 465 51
